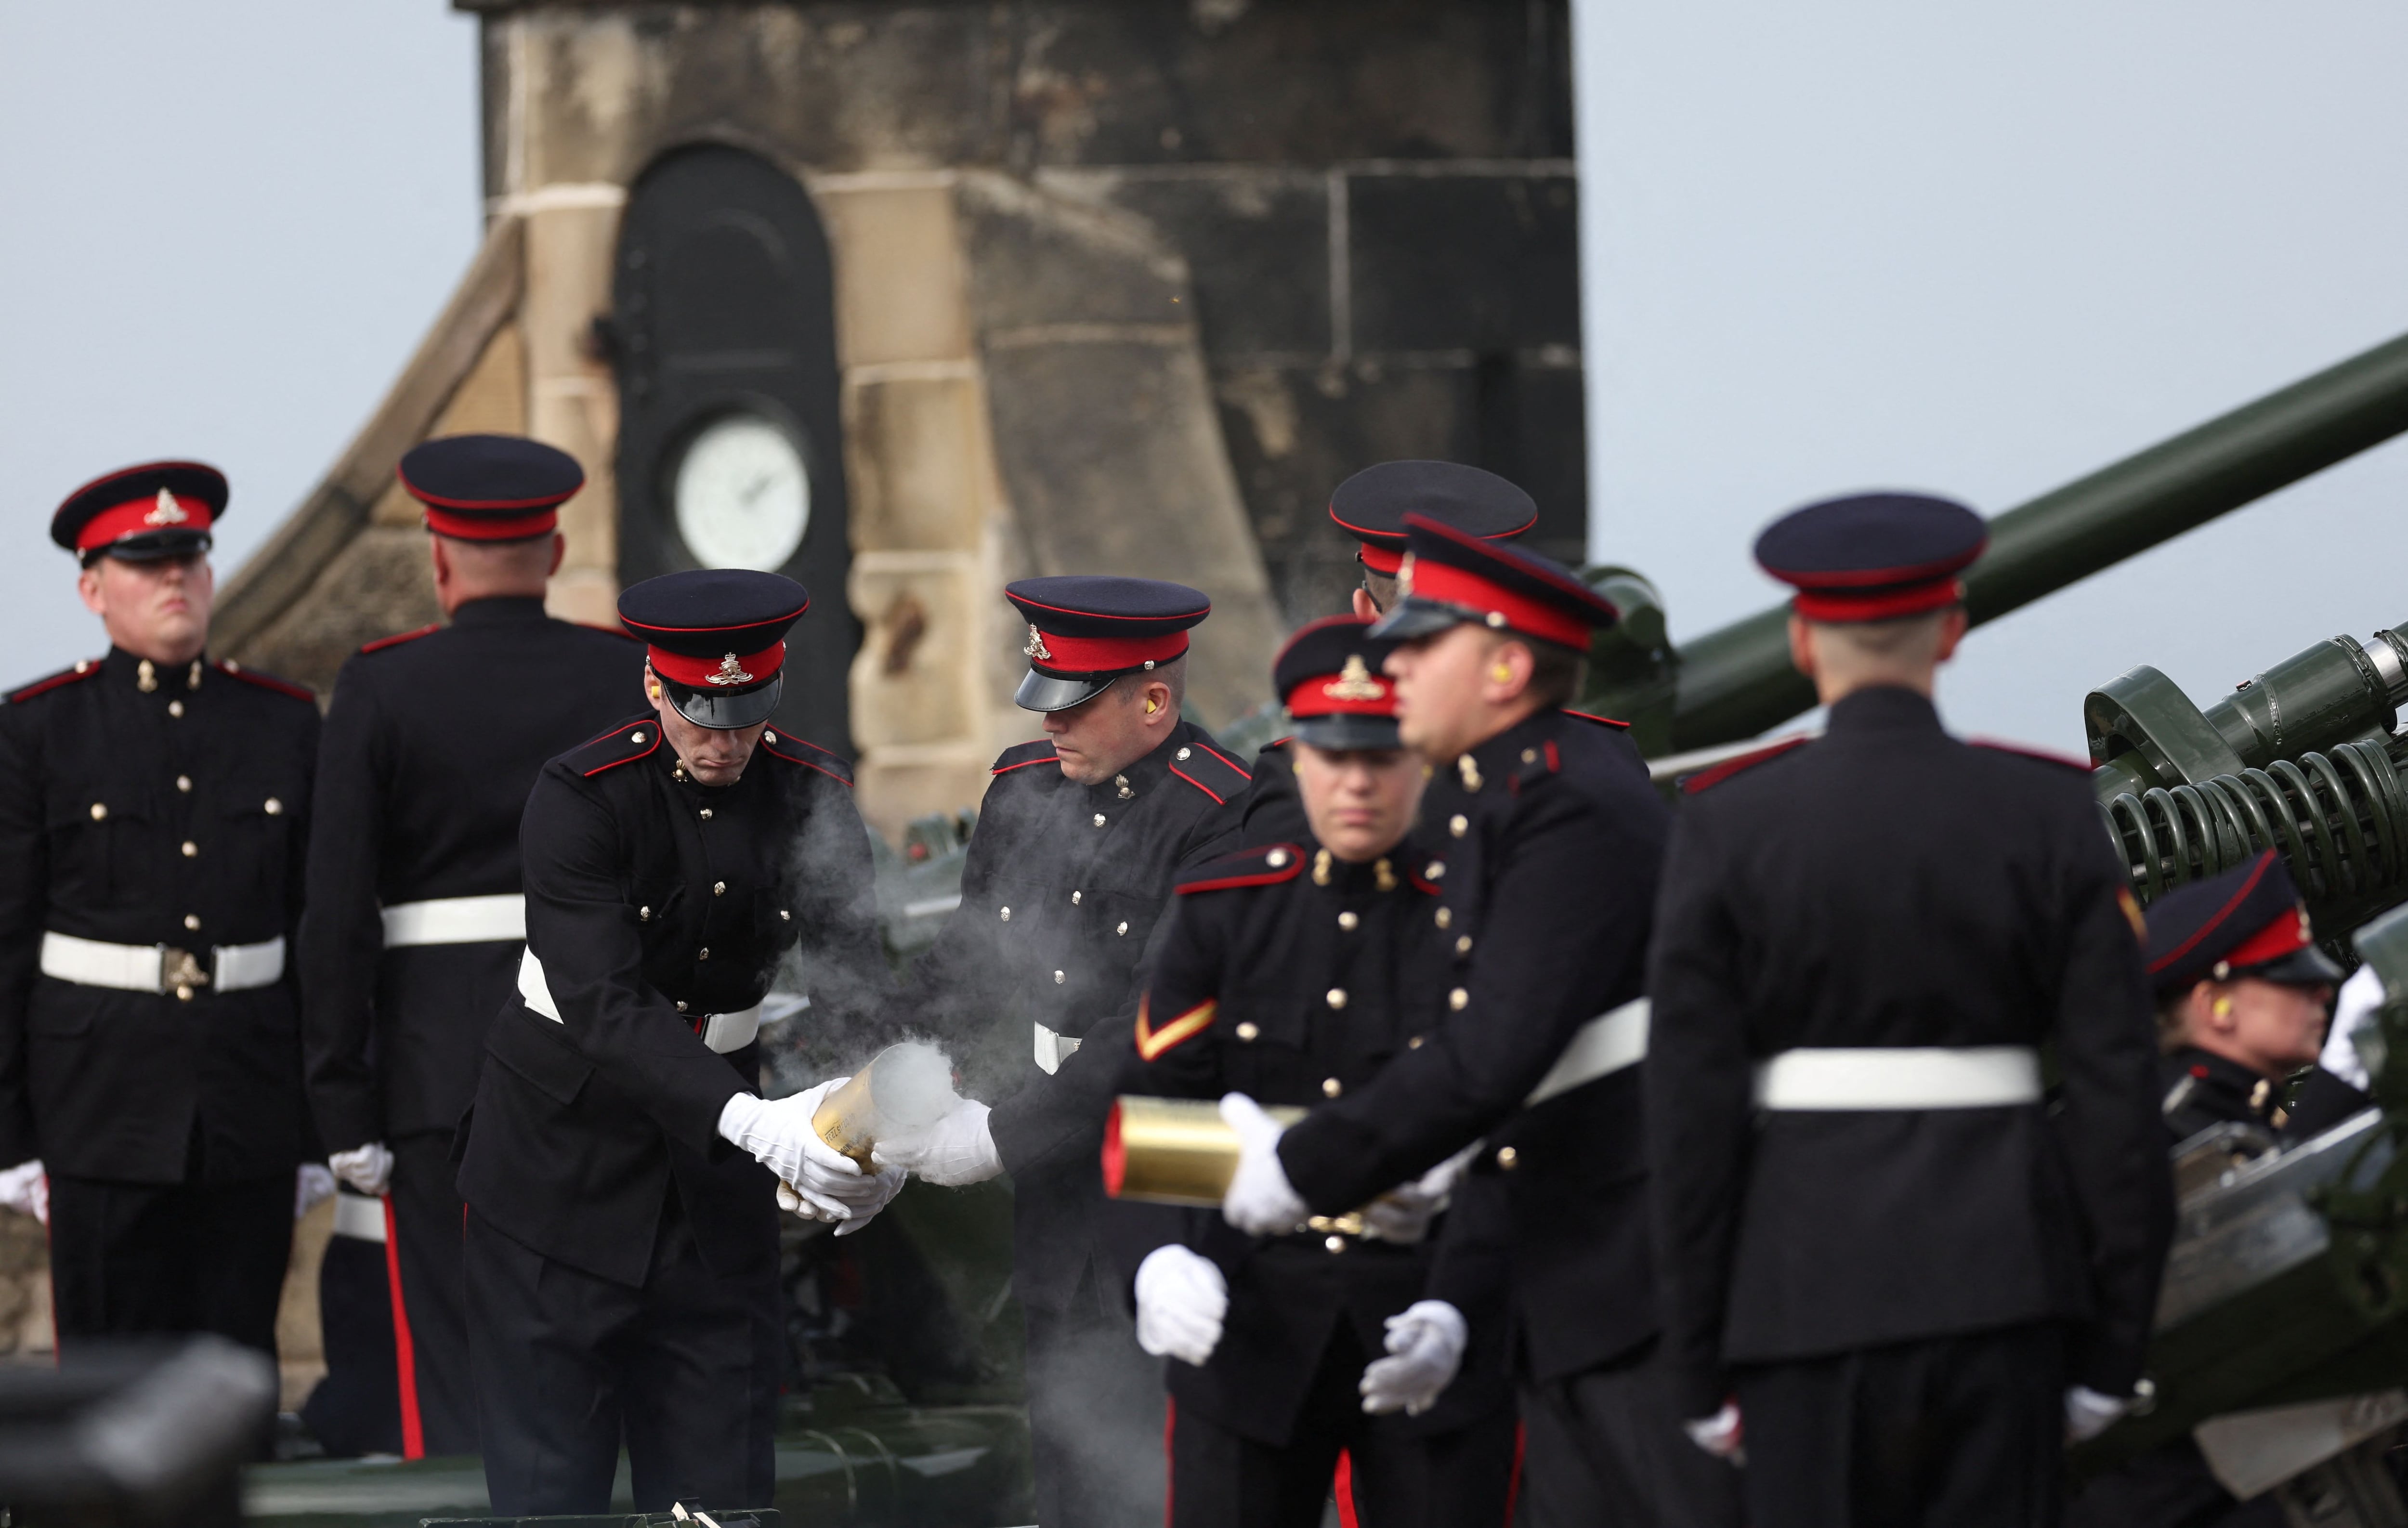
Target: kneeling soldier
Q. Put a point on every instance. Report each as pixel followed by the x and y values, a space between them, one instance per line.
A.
pixel 1292 973
pixel 622 1244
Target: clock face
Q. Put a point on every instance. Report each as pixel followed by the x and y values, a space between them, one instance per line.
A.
pixel 743 497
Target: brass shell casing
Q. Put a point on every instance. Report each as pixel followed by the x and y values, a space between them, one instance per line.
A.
pixel 1172 1151
pixel 846 1119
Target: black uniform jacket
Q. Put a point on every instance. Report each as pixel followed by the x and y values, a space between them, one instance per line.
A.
pixel 1272 812
pixel 1062 888
pixel 432 743
pixel 1548 839
pixel 652 901
pixel 2202 1089
pixel 175 815
pixel 1891 886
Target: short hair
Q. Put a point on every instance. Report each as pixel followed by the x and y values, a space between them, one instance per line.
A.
pixel 1555 672
pixel 1383 589
pixel 2174 1022
pixel 1902 640
pixel 1173 673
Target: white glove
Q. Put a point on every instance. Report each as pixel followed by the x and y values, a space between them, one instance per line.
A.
pixel 1260 1202
pixel 367 1168
pixel 309 1185
pixel 1720 1434
pixel 1180 1299
pixel 1403 1214
pixel 1425 1348
pixel 788 1200
pixel 2087 1413
pixel 829 1185
pixel 26 1189
pixel 2353 1012
pixel 956 1150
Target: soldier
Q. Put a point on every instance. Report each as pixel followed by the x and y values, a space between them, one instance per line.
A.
pixel 414 921
pixel 1068 872
pixel 154 806
pixel 1371 506
pixel 1915 1281
pixel 1292 973
pixel 1548 837
pixel 621 1255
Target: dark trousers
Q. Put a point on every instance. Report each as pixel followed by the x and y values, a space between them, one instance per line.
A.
pixel 129 1259
pixel 1606 1446
pixel 568 1365
pixel 355 1410
pixel 1095 1415
pixel 2168 1487
pixel 1956 1432
pixel 1393 1477
pixel 425 1246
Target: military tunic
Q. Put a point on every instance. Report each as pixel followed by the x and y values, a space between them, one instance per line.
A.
pixel 167 808
pixel 433 739
pixel 621 1257
pixel 1295 977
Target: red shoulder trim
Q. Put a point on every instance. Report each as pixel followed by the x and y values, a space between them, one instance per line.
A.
pixel 1021 755
pixel 1218 799
pixel 1999 745
pixel 644 736
pixel 83 670
pixel 1601 721
pixel 1692 784
pixel 1226 760
pixel 829 762
pixel 233 670
pixel 1266 864
pixel 397 638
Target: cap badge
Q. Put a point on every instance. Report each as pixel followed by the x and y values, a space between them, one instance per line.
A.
pixel 1036 648
pixel 1405 575
pixel 168 513
pixel 1354 682
pixel 730 672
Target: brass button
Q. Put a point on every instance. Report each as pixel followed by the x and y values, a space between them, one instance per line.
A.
pixel 1126 794
pixel 1331 1086
pixel 1336 1244
pixel 175 708
pixel 273 807
pixel 1248 1030
pixel 192 921
pixel 635 738
pixel 184 783
pixel 643 915
pixel 1007 915
pixel 184 994
pixel 1348 921
pixel 83 666
pixel 99 812
pixel 1276 859
pixel 680 1005
pixel 769 737
pixel 1059 979
pixel 784 916
pixel 1462 944
pixel 1074 899
pixel 1458 999
pixel 1099 820
pixel 1458 824
pixel 1529 755
pixel 191 849
pixel 1446 917
pixel 1507 1158
pixel 1436 869
pixel 1337 997
pixel 719 888
pixel 1123 929
pixel 703 954
pixel 1183 754
pixel 705 814
pixel 1415 1043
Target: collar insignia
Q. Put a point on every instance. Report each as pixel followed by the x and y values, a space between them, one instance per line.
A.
pixel 168 513
pixel 1036 648
pixel 730 672
pixel 1354 682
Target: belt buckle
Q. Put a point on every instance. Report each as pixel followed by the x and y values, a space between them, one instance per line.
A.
pixel 181 971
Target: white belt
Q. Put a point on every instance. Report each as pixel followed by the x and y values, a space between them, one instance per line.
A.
pixel 1935 1077
pixel 456 920
pixel 359 1217
pixel 1051 1047
pixel 722 1032
pixel 1606 1044
pixel 162 968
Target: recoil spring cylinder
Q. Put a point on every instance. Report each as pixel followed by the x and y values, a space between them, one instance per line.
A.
pixel 2340 817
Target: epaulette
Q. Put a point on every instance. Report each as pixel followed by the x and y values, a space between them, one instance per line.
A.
pixel 84 669
pixel 622 744
pixel 2062 761
pixel 1601 721
pixel 1265 865
pixel 1021 755
pixel 1210 770
pixel 233 670
pixel 1692 784
pixel 397 638
pixel 810 755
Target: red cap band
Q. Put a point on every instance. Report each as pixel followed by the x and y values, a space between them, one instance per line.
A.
pixel 493 527
pixel 1452 585
pixel 159 512
pixel 1842 605
pixel 727 672
pixel 2277 939
pixel 1380 559
pixel 1101 654
pixel 1342 694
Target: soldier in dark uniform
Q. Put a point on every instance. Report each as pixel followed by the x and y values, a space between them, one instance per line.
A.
pixel 1068 871
pixel 1371 506
pixel 1547 838
pixel 2242 992
pixel 1915 1281
pixel 414 923
pixel 154 806
pixel 621 1253
pixel 1292 973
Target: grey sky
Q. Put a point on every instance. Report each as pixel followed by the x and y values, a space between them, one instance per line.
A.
pixel 1980 250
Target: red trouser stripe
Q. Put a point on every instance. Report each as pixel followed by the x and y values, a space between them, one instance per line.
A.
pixel 1513 1481
pixel 1169 1460
pixel 1344 1488
pixel 405 1354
